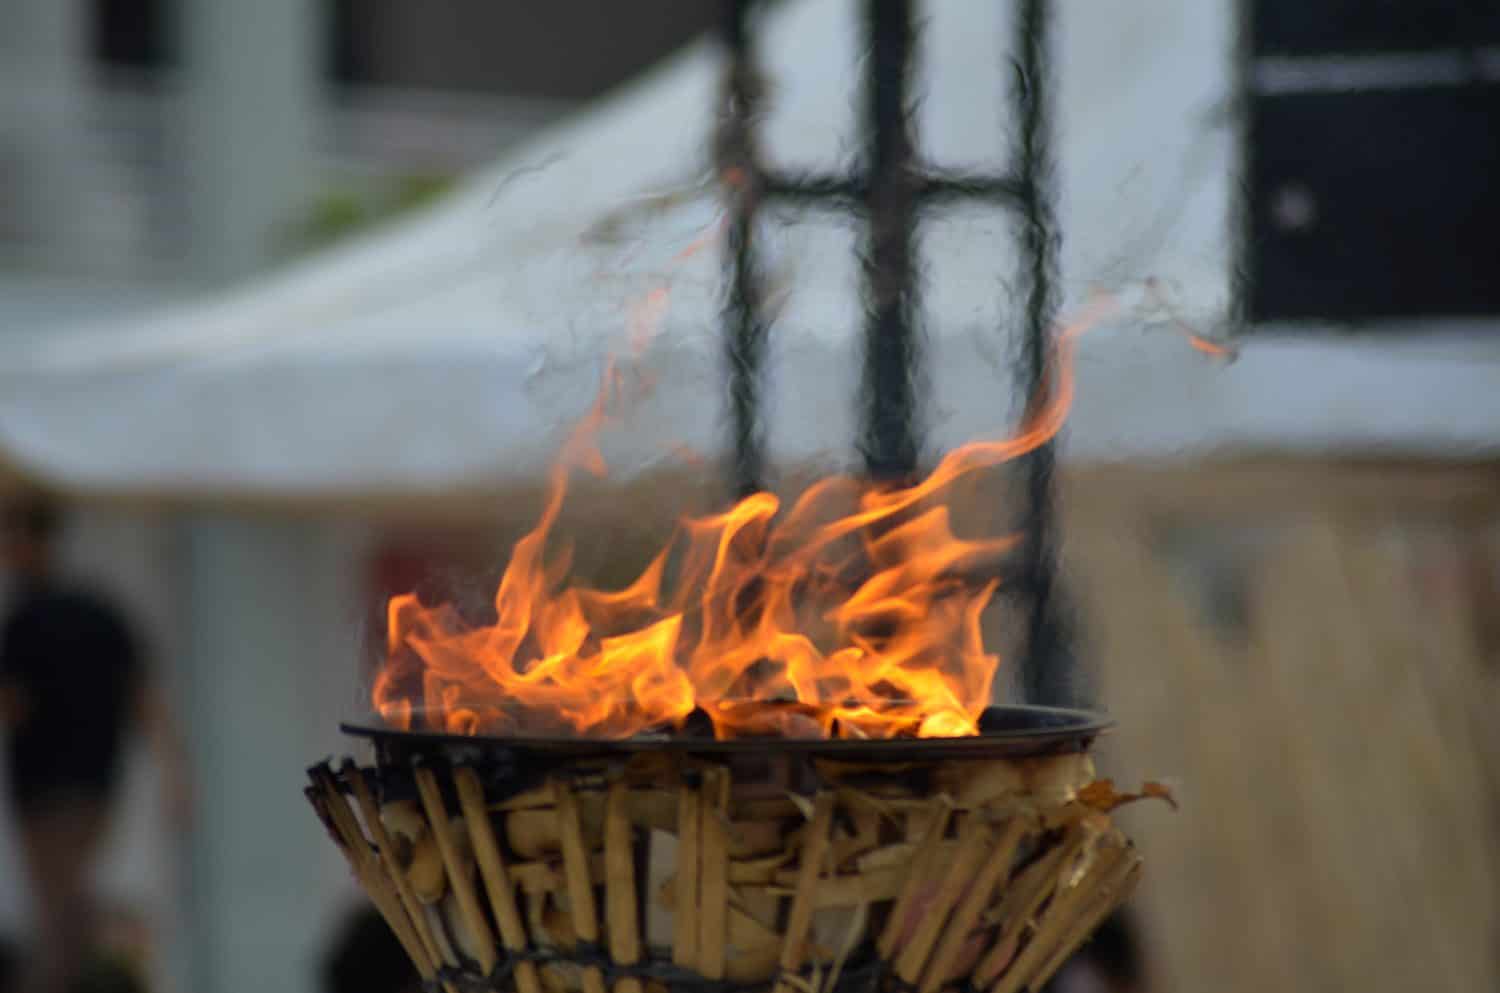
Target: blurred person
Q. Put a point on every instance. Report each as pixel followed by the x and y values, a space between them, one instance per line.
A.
pixel 10 966
pixel 72 684
pixel 121 957
pixel 103 974
pixel 365 957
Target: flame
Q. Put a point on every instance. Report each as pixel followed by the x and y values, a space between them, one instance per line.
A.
pixel 1208 346
pixel 853 612
pixel 1196 341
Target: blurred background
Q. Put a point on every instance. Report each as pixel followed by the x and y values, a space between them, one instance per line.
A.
pixel 297 300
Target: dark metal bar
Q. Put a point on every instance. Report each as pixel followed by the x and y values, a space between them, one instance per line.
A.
pixel 740 179
pixel 845 194
pixel 889 439
pixel 1046 670
pixel 890 191
pixel 942 188
pixel 837 193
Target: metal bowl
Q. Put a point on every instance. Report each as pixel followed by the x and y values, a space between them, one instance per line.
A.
pixel 1009 732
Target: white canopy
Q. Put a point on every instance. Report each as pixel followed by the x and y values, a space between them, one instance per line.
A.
pixel 455 347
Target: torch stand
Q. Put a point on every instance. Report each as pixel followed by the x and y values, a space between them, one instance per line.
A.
pixel 786 866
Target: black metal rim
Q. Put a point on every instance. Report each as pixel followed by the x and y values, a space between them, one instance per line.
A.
pixel 1005 731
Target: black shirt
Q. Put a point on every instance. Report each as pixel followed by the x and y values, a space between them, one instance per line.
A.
pixel 73 661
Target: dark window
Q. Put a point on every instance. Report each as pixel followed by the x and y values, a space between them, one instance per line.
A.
pixel 131 33
pixel 1321 27
pixel 1373 143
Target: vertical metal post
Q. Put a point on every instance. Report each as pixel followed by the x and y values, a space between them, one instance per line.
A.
pixel 1046 670
pixel 889 440
pixel 740 180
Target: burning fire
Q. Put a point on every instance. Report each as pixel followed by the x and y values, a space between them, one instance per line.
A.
pixel 853 612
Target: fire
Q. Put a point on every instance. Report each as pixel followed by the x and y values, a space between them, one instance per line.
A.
pixel 852 612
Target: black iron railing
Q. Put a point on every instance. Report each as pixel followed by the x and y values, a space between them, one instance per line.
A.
pixel 890 190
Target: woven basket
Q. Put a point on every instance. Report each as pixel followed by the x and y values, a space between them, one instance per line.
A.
pixel 648 870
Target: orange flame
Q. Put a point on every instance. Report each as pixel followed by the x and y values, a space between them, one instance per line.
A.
pixel 852 612
pixel 1196 341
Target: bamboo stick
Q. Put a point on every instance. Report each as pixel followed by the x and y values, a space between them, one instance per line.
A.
pixel 865 838
pixel 458 879
pixel 1051 779
pixel 1055 921
pixel 437 923
pixel 320 804
pixel 371 813
pixel 974 841
pixel 1021 900
pixel 423 871
pixel 858 926
pixel 1109 895
pixel 339 819
pixel 619 885
pixel 917 870
pixel 347 834
pixel 685 916
pixel 580 885
pixel 471 946
pixel 754 839
pixel 901 854
pixel 764 869
pixel 749 933
pixel 747 925
pixel 815 846
pixel 497 882
pixel 872 886
pixel 713 896
pixel 961 925
pixel 777 807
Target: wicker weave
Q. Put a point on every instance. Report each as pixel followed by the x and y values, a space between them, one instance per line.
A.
pixel 662 871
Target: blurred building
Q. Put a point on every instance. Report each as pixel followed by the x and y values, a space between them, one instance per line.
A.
pixel 123 121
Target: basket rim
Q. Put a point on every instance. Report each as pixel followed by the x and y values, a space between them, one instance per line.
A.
pixel 1015 729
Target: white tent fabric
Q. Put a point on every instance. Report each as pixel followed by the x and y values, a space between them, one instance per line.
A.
pixel 456 347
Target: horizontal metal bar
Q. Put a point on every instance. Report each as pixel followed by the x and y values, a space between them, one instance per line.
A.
pixel 851 192
pixel 950 187
pixel 827 192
